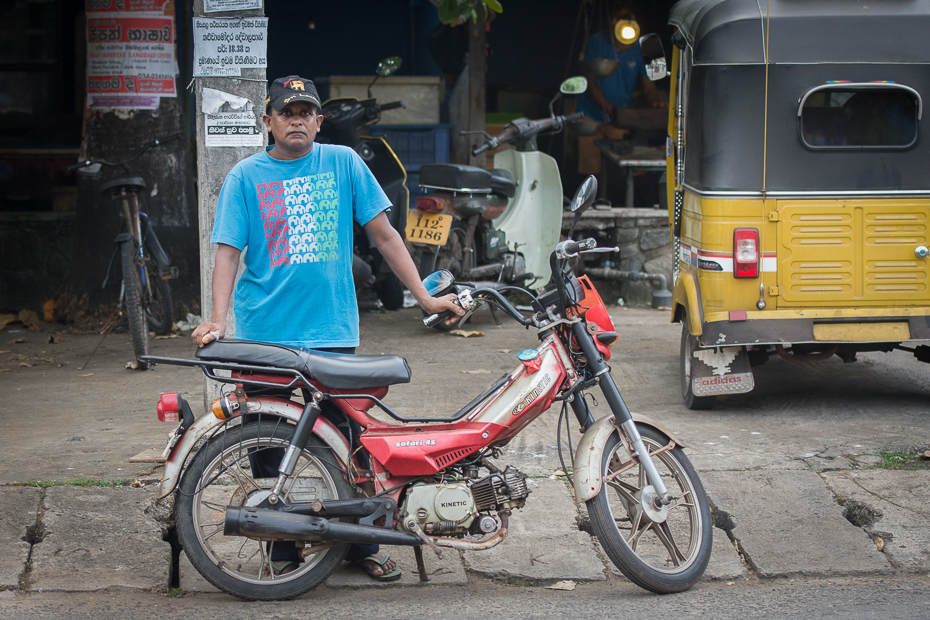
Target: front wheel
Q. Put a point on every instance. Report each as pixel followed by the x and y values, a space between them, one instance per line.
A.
pixel 660 549
pixel 133 300
pixel 238 467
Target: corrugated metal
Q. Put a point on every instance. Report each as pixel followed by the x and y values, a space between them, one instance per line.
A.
pixel 852 253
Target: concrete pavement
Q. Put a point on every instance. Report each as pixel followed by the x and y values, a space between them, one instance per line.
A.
pixel 788 472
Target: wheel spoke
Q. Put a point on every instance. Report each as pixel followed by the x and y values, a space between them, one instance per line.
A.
pixel 624 493
pixel 664 534
pixel 636 533
pixel 218 526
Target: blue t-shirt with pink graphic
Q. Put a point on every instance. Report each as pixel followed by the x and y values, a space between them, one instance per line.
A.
pixel 295 220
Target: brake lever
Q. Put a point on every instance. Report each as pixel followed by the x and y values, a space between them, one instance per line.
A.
pixel 599 250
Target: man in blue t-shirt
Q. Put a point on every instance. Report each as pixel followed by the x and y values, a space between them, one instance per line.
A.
pixel 293 207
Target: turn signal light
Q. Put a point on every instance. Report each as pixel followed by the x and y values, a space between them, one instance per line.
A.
pixel 746 253
pixel 168 407
pixel 223 409
pixel 428 204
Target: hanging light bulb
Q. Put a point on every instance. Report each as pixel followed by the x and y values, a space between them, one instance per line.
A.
pixel 626 31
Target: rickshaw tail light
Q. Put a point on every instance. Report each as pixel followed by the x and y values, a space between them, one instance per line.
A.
pixel 746 253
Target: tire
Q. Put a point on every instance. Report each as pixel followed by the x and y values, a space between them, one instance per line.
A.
pixel 390 291
pixel 688 344
pixel 235 564
pixel 133 298
pixel 616 511
pixel 159 310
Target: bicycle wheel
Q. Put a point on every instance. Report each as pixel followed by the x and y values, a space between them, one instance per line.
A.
pixel 662 550
pixel 133 298
pixel 221 475
pixel 158 308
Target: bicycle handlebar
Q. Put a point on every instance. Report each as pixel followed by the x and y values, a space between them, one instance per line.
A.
pixel 143 149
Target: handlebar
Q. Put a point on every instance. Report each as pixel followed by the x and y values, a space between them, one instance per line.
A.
pixel 393 105
pixel 524 129
pixel 143 149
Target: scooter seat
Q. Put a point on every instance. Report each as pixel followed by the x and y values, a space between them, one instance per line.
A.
pixel 467 178
pixel 334 370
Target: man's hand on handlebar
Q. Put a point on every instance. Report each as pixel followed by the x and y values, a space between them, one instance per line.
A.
pixel 207 332
pixel 445 305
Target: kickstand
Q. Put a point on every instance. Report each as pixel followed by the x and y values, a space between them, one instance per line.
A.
pixel 493 310
pixel 103 336
pixel 421 567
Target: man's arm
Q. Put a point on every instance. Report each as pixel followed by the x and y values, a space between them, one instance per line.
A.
pixel 225 267
pixel 597 97
pixel 394 251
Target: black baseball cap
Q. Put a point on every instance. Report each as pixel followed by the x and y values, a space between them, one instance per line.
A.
pixel 289 89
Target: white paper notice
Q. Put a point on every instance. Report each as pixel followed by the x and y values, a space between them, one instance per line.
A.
pixel 223 47
pixel 232 129
pixel 215 6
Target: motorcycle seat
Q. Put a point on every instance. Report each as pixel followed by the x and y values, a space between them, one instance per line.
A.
pixel 459 177
pixel 334 370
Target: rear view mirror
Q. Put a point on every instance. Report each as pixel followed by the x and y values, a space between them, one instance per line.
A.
pixel 584 196
pixel 439 283
pixel 574 85
pixel 653 56
pixel 389 66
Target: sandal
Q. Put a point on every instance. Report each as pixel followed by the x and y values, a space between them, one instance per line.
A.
pixel 394 575
pixel 279 568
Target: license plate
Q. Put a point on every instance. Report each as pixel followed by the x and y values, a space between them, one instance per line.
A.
pixel 429 228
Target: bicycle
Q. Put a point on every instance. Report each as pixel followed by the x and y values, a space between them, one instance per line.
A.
pixel 145 292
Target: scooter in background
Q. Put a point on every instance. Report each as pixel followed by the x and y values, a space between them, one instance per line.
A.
pixel 497 225
pixel 344 118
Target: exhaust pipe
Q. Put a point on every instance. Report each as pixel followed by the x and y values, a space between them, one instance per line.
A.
pixel 264 524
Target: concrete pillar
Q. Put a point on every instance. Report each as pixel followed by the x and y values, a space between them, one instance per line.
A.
pixel 214 163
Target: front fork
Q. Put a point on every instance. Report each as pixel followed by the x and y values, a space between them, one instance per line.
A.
pixel 622 415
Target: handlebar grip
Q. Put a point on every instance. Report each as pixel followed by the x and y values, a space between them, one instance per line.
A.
pixel 434 319
pixel 573 117
pixel 573 247
pixel 393 105
pixel 481 149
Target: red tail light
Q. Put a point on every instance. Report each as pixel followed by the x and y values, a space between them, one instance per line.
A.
pixel 746 253
pixel 169 407
pixel 428 204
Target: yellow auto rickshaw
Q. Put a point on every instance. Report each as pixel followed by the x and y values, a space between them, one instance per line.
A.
pixel 799 207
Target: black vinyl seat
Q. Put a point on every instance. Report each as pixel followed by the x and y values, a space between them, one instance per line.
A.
pixel 334 370
pixel 465 178
pixel 130 183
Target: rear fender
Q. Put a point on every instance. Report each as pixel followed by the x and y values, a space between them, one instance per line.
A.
pixel 587 476
pixel 323 429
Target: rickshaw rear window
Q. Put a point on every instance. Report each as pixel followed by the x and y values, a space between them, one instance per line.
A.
pixel 845 117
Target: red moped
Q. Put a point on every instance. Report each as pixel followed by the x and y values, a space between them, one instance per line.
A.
pixel 428 481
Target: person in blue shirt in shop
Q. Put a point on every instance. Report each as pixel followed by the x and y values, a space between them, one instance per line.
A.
pixel 605 95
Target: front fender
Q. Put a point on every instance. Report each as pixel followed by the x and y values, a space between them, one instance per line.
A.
pixel 323 429
pixel 587 476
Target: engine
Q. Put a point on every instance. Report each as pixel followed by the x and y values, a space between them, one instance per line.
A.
pixel 454 507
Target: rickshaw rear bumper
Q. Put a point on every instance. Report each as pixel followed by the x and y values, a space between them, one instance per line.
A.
pixel 830 325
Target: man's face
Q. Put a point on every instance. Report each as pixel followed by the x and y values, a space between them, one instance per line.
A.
pixel 295 127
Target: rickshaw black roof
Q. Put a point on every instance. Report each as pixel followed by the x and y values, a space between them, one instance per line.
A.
pixel 805 31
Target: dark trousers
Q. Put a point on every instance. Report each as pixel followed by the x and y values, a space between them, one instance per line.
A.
pixel 265 463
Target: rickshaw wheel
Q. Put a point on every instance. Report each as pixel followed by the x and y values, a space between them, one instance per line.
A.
pixel 688 344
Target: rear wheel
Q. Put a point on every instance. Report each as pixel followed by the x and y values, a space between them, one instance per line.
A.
pixel 222 475
pixel 133 296
pixel 660 549
pixel 688 345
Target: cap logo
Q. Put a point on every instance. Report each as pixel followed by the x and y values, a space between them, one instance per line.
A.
pixel 294 84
